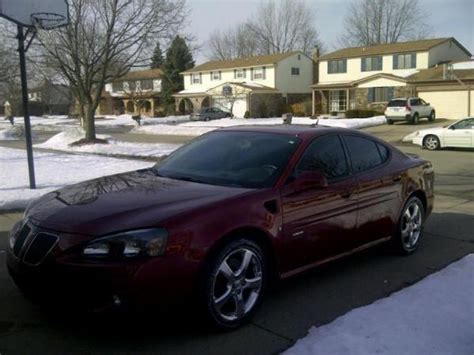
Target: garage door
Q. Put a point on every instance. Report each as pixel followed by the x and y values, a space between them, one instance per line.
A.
pixel 240 106
pixel 448 104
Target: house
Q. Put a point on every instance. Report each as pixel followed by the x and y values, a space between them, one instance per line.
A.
pixel 260 85
pixel 136 92
pixel 50 99
pixel 368 77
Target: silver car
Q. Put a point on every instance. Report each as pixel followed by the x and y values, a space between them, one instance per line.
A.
pixel 409 109
pixel 209 113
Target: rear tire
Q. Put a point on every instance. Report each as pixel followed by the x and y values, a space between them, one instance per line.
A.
pixel 431 142
pixel 432 116
pixel 415 118
pixel 233 284
pixel 410 227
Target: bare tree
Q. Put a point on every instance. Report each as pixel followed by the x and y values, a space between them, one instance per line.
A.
pixel 371 22
pixel 231 96
pixel 276 27
pixel 233 43
pixel 103 41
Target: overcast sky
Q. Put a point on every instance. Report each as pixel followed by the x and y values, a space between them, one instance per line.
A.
pixel 448 18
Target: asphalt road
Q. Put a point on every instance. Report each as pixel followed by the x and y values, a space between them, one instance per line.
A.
pixel 315 298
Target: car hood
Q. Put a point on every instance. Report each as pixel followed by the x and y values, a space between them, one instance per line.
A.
pixel 119 202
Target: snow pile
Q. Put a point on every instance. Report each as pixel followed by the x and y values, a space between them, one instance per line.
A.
pixel 52 172
pixel 196 128
pixel 62 141
pixel 12 133
pixel 464 65
pixel 434 316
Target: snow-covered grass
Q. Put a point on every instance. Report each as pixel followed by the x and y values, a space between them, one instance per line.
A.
pixel 434 316
pixel 52 172
pixel 62 141
pixel 196 128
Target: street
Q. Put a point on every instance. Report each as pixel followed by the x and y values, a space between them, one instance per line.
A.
pixel 315 298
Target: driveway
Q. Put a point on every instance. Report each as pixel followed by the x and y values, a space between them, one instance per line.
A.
pixel 315 298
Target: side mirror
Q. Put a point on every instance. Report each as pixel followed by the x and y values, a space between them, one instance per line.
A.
pixel 452 127
pixel 427 104
pixel 309 180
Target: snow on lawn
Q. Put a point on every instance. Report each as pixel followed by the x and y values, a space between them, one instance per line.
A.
pixel 13 133
pixel 62 140
pixel 196 128
pixel 434 316
pixel 52 172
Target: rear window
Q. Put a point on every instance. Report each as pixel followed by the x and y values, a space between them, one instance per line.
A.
pixel 397 103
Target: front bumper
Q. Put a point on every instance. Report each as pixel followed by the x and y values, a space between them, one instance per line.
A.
pixel 64 277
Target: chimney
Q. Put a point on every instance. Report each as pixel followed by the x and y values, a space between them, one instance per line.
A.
pixel 315 57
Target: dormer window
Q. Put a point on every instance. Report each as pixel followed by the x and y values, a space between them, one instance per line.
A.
pixel 337 66
pixel 371 63
pixel 404 61
pixel 117 86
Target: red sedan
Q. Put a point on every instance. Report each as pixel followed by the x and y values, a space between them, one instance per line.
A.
pixel 219 218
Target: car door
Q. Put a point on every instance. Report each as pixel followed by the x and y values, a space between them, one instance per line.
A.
pixel 379 188
pixel 425 107
pixel 318 224
pixel 459 134
pixel 416 107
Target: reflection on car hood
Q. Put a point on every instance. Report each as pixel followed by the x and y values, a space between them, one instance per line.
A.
pixel 432 130
pixel 125 201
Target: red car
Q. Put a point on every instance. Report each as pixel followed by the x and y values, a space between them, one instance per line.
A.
pixel 219 218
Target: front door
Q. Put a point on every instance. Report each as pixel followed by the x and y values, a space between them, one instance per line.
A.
pixel 320 223
pixel 460 134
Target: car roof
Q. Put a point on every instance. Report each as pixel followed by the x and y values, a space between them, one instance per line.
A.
pixel 293 129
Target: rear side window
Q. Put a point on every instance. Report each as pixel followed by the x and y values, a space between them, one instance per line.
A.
pixel 326 155
pixel 363 152
pixel 383 150
pixel 397 103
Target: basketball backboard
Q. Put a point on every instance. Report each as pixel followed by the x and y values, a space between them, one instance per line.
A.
pixel 44 14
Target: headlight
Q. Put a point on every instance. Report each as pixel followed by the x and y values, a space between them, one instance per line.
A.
pixel 14 234
pixel 144 242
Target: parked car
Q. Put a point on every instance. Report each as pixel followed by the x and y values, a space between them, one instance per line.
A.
pixel 409 109
pixel 215 226
pixel 209 113
pixel 459 134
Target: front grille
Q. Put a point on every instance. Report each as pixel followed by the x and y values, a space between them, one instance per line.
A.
pixel 20 240
pixel 39 248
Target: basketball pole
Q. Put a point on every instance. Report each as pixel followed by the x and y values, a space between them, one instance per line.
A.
pixel 26 113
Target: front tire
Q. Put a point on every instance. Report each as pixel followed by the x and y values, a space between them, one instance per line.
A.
pixel 389 121
pixel 234 283
pixel 410 227
pixel 431 142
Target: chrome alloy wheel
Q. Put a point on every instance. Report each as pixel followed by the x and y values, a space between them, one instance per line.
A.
pixel 412 221
pixel 237 284
pixel 431 143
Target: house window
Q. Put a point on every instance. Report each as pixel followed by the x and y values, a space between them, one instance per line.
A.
pixel 146 84
pixel 404 61
pixel 259 73
pixel 117 86
pixel 299 56
pixel 371 63
pixel 196 78
pixel 337 66
pixel 338 100
pixel 132 85
pixel 240 73
pixel 295 71
pixel 380 94
pixel 215 75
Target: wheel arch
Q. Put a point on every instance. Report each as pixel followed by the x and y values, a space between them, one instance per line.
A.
pixel 258 236
pixel 421 196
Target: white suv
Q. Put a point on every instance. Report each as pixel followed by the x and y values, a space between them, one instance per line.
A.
pixel 409 109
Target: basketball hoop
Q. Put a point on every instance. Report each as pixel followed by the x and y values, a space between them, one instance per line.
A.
pixel 48 20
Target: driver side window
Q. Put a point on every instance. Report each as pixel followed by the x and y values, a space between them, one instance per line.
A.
pixel 465 124
pixel 326 155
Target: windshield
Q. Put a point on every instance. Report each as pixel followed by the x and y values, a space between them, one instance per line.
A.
pixel 397 103
pixel 240 159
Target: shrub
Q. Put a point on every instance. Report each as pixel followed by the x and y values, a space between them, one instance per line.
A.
pixel 160 114
pixel 362 113
pixel 262 110
pixel 299 114
pixel 247 114
pixel 333 113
